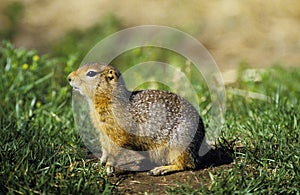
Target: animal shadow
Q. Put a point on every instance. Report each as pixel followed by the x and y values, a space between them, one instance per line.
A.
pixel 216 156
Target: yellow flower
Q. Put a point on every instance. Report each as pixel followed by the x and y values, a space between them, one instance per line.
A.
pixel 38 104
pixel 25 66
pixel 35 58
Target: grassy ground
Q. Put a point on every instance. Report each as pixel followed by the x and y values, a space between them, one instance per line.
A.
pixel 41 151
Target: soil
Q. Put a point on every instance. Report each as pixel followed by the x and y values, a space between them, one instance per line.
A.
pixel 141 182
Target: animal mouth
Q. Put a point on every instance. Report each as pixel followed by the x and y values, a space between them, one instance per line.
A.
pixel 75 88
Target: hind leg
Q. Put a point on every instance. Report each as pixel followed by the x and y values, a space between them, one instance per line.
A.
pixel 178 162
pixel 162 170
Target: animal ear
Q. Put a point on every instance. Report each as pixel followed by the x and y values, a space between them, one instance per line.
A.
pixel 112 75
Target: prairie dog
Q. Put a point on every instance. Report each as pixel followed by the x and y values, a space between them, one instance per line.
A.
pixel 160 122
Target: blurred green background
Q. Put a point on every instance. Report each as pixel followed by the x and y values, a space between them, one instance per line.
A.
pixel 260 33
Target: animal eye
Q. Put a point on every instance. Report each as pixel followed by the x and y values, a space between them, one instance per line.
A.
pixel 91 73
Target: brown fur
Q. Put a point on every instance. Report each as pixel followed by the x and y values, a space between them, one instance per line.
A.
pixel 160 122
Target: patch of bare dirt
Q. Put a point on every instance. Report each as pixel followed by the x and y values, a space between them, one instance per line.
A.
pixel 141 182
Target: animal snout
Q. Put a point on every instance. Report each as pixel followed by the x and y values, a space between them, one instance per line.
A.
pixel 71 77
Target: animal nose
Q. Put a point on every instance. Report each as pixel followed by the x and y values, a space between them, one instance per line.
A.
pixel 70 76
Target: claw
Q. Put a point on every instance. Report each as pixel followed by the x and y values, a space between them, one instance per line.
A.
pixel 157 171
pixel 109 170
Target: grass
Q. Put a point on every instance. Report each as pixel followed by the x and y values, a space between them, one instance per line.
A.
pixel 41 151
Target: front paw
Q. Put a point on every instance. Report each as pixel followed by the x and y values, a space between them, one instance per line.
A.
pixel 109 170
pixel 103 159
pixel 101 162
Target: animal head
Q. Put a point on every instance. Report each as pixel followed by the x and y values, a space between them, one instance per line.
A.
pixel 94 78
